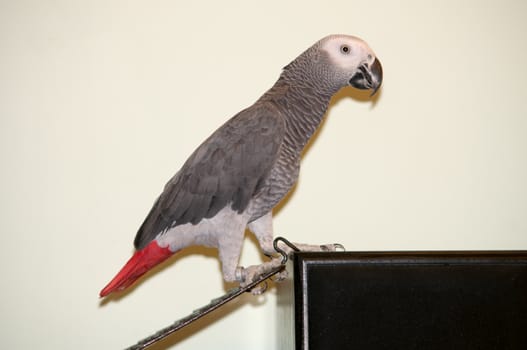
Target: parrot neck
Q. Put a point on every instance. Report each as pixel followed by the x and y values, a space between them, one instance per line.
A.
pixel 303 107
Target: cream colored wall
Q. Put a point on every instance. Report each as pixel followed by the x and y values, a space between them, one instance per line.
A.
pixel 102 101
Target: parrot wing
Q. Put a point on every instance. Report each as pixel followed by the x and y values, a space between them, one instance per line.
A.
pixel 228 168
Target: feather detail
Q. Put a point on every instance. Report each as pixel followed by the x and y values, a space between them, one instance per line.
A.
pixel 142 261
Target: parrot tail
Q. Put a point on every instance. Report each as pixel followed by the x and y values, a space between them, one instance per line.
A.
pixel 142 261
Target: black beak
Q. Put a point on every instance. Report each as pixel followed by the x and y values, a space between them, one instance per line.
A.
pixel 368 77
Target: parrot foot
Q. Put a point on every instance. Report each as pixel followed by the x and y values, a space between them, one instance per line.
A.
pixel 247 275
pixel 288 248
pixel 250 274
pixel 281 276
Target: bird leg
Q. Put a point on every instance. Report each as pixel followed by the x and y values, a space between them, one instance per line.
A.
pixel 229 250
pixel 263 231
pixel 247 275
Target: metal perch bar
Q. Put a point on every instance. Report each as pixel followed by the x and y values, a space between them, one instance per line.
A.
pixel 213 305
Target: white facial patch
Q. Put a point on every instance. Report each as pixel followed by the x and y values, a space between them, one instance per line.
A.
pixel 347 52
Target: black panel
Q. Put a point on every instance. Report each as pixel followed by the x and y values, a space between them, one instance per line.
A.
pixel 447 300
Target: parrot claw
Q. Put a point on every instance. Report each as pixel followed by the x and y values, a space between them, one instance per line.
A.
pixel 286 248
pixel 247 275
pixel 259 289
pixel 281 276
pixel 332 247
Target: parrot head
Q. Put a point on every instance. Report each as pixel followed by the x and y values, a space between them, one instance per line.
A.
pixel 350 61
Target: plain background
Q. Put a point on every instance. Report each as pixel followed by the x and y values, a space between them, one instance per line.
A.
pixel 102 101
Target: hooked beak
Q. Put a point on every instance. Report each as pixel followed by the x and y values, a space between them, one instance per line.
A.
pixel 368 77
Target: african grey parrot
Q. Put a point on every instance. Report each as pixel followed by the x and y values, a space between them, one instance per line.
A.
pixel 237 176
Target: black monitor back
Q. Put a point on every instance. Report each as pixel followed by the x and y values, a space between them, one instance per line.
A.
pixel 404 300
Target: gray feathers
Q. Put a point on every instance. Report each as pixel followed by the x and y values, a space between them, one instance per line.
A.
pixel 229 168
pixel 253 160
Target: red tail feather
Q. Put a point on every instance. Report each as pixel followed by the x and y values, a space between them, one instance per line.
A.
pixel 142 261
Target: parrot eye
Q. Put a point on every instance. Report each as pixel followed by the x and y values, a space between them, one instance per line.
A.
pixel 345 49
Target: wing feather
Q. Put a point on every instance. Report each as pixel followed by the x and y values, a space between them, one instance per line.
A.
pixel 228 168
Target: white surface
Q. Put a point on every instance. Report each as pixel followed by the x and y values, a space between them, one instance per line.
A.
pixel 102 101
